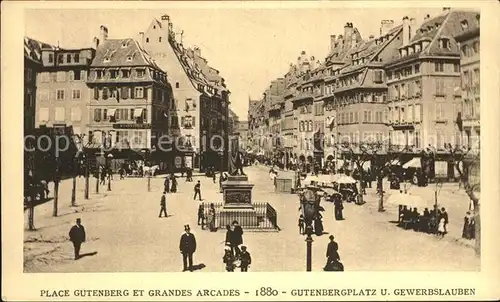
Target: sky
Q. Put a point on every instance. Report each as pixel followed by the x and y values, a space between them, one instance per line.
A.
pixel 250 47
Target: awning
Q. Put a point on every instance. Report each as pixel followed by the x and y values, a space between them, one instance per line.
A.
pixel 413 163
pixel 138 112
pixel 413 201
pixel 395 162
pixel 111 112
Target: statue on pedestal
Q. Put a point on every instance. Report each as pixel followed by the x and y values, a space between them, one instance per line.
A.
pixel 235 158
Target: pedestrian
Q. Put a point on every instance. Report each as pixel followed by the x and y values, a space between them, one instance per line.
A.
pixel 468 229
pixel 338 207
pixel 221 180
pixel 444 215
pixel 103 176
pixel 245 259
pixel 187 246
pixel 211 218
pixel 122 173
pixel 201 216
pixel 77 237
pixel 301 225
pixel 166 185
pixel 318 224
pixel 228 259
pixel 197 190
pixel 163 205
pixel 237 238
pixel 441 227
pixel 333 258
pixel 173 188
pixel 214 177
pixel 229 238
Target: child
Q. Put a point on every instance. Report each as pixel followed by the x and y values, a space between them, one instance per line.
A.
pixel 301 224
pixel 245 259
pixel 228 259
pixel 441 230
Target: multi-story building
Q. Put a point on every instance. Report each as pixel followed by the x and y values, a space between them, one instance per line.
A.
pixel 233 122
pixel 242 129
pixel 63 96
pixel 130 107
pixel 32 64
pixel 424 95
pixel 468 38
pixel 200 95
pixel 254 117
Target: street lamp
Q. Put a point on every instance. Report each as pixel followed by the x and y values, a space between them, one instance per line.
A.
pixel 309 210
pixel 108 166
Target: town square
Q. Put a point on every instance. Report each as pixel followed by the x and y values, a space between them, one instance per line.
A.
pixel 145 151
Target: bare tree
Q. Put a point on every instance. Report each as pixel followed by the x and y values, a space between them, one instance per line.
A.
pixel 466 162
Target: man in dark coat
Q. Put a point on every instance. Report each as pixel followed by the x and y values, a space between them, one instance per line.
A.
pixel 163 205
pixel 444 215
pixel 245 258
pixel 187 246
pixel 166 184
pixel 197 190
pixel 333 258
pixel 237 238
pixel 77 237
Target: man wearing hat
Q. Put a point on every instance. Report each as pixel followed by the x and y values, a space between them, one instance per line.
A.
pixel 77 237
pixel 245 259
pixel 187 246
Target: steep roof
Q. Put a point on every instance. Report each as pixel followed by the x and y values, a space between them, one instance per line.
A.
pixel 33 49
pixel 122 52
pixel 444 26
pixel 340 53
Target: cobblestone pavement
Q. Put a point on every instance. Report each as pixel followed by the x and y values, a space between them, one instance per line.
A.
pixel 124 230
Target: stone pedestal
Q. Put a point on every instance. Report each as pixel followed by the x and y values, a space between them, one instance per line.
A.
pixel 238 206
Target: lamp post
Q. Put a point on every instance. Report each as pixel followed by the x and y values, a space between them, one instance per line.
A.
pixel 73 190
pixel 108 166
pixel 56 188
pixel 309 211
pixel 86 194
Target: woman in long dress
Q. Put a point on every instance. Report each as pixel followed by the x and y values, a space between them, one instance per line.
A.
pixel 173 188
pixel 211 218
pixel 318 225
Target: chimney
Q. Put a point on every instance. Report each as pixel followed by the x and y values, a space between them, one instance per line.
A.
pixel 413 27
pixel 446 9
pixel 385 26
pixel 348 32
pixel 103 34
pixel 332 42
pixel 312 63
pixel 341 40
pixel 406 31
pixel 197 51
pixel 96 42
pixel 141 40
pixel 353 39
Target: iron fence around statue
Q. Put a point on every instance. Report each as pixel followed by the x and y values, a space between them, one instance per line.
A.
pixel 265 217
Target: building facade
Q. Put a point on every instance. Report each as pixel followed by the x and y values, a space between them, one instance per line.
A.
pixel 242 129
pixel 130 109
pixel 200 96
pixel 402 88
pixel 63 96
pixel 469 42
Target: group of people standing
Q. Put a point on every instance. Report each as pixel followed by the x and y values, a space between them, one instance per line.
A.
pixel 431 222
pixel 170 184
pixel 232 252
pixel 207 219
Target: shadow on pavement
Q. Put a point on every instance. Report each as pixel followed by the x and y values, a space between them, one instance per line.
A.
pixel 87 254
pixel 198 267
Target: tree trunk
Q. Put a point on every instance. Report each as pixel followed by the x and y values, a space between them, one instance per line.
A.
pixel 56 197
pixel 380 185
pixel 73 192
pixel 31 213
pixel 477 221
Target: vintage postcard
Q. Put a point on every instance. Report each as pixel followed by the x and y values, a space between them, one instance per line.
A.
pixel 328 150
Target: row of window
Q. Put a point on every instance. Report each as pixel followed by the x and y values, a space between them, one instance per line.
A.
pixel 62 76
pixel 58 114
pixel 59 95
pixel 70 58
pixel 471 79
pixel 402 114
pixel 405 138
pixel 118 73
pixel 403 72
pixel 122 93
pixel 134 138
pixel 368 117
pixel 408 90
pixel 113 115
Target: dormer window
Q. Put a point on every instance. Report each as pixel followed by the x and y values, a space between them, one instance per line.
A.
pixel 140 73
pixel 417 48
pixel 98 74
pixel 124 44
pixel 125 73
pixel 113 74
pixel 107 59
pixel 129 59
pixel 444 43
pixel 464 24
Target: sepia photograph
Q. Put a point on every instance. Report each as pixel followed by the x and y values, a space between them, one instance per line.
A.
pixel 252 140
